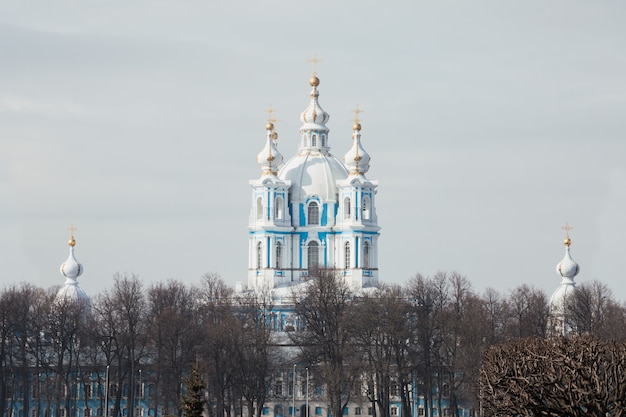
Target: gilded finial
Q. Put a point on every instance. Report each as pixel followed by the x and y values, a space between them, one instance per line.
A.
pixel 567 241
pixel 72 241
pixel 271 118
pixel 314 81
pixel 357 123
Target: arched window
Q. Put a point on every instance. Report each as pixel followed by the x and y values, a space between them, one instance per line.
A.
pixel 366 208
pixel 346 208
pixel 313 213
pixel 366 255
pixel 279 255
pixel 347 255
pixel 278 208
pixel 259 255
pixel 313 255
pixel 314 140
pixel 259 208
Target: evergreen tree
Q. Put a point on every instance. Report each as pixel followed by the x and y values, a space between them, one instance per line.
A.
pixel 193 399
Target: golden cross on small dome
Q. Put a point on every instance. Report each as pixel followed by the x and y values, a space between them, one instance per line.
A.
pixel 567 228
pixel 314 61
pixel 356 112
pixel 72 229
pixel 567 242
pixel 271 115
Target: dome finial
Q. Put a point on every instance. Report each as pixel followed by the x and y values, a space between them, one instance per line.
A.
pixel 72 241
pixel 270 158
pixel 314 81
pixel 357 123
pixel 567 241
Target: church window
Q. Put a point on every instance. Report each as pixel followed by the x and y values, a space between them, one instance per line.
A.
pixel 394 411
pixel 259 255
pixel 366 208
pixel 366 254
pixel 346 208
pixel 357 411
pixel 314 140
pixel 87 412
pixel 323 140
pixel 278 208
pixel 313 213
pixel 347 255
pixel 279 255
pixel 313 254
pixel 259 208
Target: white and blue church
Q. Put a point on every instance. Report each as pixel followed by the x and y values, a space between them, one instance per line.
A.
pixel 313 211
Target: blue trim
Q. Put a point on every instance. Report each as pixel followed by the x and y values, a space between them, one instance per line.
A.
pixel 356 252
pixel 324 218
pixel 302 215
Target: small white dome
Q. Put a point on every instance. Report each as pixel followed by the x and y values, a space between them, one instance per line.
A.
pixel 567 267
pixel 71 270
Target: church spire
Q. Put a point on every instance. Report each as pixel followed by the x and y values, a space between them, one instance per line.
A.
pixel 269 159
pixel 357 160
pixel 71 270
pixel 567 268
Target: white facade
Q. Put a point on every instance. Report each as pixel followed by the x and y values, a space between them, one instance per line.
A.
pixel 314 211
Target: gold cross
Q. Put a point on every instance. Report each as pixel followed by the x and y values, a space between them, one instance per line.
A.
pixel 271 115
pixel 72 229
pixel 314 61
pixel 567 228
pixel 356 112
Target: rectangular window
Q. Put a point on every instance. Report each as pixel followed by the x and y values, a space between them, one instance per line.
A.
pixel 370 411
pixel 87 412
pixel 33 413
pixel 345 411
pixel 318 411
pixel 87 391
pixel 266 411
pixel 278 388
pixel 357 411
pixel 420 411
pixel 394 411
pixel 446 412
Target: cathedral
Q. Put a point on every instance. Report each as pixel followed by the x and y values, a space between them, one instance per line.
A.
pixel 313 211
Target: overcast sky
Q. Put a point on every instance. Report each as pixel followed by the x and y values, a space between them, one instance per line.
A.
pixel 490 125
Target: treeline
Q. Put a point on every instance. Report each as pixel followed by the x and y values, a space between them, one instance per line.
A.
pixel 424 338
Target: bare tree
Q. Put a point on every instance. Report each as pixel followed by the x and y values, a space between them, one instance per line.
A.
pixel 175 335
pixel 256 361
pixel 566 376
pixel 591 309
pixel 382 333
pixel 220 335
pixel 529 310
pixel 328 309
pixel 121 313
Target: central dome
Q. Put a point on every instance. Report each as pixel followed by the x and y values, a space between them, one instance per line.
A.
pixel 313 174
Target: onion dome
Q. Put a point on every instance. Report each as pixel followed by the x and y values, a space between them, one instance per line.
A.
pixel 356 159
pixel 71 270
pixel 269 159
pixel 314 117
pixel 567 269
